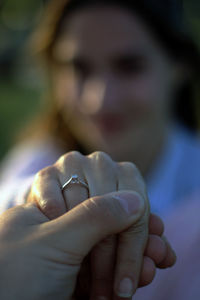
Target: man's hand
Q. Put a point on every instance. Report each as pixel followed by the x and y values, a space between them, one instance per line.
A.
pixel 41 259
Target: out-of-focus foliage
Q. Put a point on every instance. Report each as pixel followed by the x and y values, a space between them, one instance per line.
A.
pixel 20 84
pixel 19 80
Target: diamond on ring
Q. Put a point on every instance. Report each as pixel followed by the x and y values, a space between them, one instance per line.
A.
pixel 74 180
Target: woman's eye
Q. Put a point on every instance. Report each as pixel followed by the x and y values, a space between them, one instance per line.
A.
pixel 81 69
pixel 129 67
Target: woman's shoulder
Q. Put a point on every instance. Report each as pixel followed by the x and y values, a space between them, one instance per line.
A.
pixel 189 146
pixel 28 158
pixel 176 174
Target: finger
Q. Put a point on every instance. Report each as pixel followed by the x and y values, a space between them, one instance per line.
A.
pixel 148 271
pixel 129 178
pixel 87 224
pixel 170 257
pixel 101 176
pixel 69 165
pixel 46 193
pixel 156 249
pixel 131 243
pixel 103 261
pixel 156 225
pixel 83 283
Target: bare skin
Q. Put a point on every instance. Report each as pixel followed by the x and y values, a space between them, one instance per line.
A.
pixel 117 257
pixel 40 259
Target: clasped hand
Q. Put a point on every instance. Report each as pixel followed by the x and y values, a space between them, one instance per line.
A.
pixel 82 244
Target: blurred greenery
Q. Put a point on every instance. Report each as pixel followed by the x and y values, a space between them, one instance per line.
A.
pixel 19 82
pixel 19 89
pixel 17 106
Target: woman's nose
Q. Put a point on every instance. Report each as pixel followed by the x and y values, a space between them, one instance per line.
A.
pixel 98 95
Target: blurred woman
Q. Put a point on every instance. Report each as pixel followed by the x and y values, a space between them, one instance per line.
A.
pixel 122 80
pixel 122 75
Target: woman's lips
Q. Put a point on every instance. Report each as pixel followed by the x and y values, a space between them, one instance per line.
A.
pixel 111 124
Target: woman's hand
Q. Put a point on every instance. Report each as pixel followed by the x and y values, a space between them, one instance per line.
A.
pixel 133 254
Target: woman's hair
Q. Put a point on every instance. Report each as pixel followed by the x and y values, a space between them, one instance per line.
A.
pixel 164 20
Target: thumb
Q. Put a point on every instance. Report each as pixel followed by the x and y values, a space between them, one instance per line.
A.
pixel 87 224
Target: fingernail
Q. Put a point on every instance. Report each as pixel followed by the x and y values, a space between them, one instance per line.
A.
pixel 131 202
pixel 125 288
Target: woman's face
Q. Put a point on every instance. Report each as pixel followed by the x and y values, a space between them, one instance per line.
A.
pixel 112 79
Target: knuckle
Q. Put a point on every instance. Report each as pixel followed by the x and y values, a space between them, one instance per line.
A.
pixel 70 156
pixel 101 158
pixel 39 184
pixel 45 173
pixel 49 208
pixel 107 243
pixel 74 155
pixel 130 262
pixel 130 168
pixel 138 230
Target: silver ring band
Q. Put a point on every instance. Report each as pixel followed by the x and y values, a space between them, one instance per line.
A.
pixel 74 180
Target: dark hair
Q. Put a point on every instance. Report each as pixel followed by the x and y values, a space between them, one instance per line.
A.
pixel 164 19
